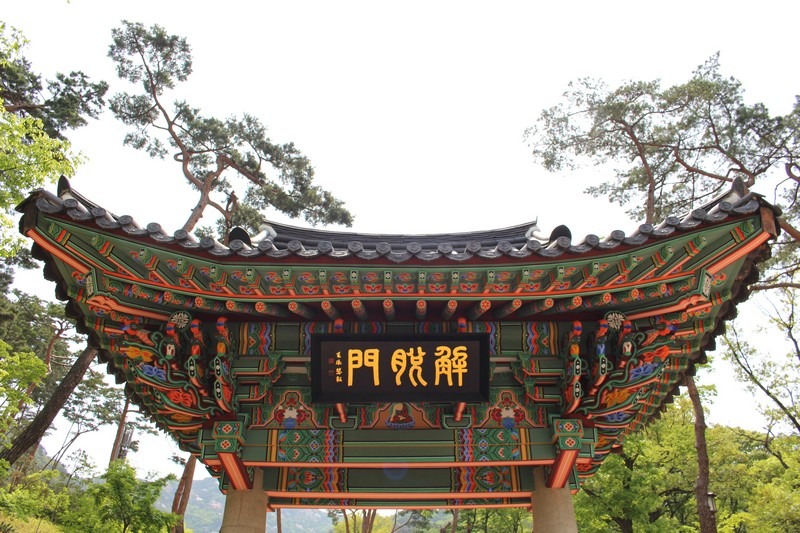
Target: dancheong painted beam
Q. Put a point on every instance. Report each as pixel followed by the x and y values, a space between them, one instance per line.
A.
pixel 400 371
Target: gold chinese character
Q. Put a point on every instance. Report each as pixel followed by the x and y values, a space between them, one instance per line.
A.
pixel 401 359
pixel 449 362
pixel 366 358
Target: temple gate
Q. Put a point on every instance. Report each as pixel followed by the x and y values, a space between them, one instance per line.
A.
pixel 308 368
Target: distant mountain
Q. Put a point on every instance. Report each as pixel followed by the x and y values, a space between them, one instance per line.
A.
pixel 207 503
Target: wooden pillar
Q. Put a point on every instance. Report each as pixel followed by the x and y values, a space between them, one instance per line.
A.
pixel 246 510
pixel 552 508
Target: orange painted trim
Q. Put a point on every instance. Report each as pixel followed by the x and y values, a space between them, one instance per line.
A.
pixel 111 303
pixel 121 267
pixel 559 475
pixel 459 414
pixel 274 505
pixel 236 471
pixel 44 242
pixel 741 252
pixel 285 298
pixel 682 305
pixel 436 464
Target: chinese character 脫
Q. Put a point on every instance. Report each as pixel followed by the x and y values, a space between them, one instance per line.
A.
pixel 411 359
pixel 451 361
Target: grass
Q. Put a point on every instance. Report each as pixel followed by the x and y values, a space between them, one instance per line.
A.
pixel 33 525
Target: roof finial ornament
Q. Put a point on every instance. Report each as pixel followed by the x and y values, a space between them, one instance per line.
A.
pixel 265 231
pixel 533 232
pixel 559 231
pixel 239 234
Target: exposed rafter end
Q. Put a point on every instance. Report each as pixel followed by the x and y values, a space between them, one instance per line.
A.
pixel 459 414
pixel 449 309
pixel 536 307
pixel 271 309
pixel 341 410
pixel 388 309
pixel 508 308
pixel 479 309
pixel 359 309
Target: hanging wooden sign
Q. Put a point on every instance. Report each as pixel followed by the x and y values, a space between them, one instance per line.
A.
pixel 400 368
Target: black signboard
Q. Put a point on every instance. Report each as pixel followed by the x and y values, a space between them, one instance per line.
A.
pixel 400 368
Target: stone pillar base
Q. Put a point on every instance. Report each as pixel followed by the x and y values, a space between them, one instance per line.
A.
pixel 552 508
pixel 246 510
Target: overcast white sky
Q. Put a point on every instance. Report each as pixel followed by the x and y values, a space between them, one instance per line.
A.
pixel 413 113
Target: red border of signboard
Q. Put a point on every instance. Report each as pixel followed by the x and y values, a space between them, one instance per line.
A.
pixel 389 391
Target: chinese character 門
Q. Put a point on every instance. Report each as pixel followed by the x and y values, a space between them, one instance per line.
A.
pixel 451 361
pixel 411 359
pixel 363 358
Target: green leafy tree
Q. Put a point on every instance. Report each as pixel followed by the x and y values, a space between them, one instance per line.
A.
pixel 211 150
pixel 33 117
pixel 648 486
pixel 510 520
pixel 411 520
pixel 127 504
pixel 93 404
pixel 672 147
pixel 28 158
pixel 772 376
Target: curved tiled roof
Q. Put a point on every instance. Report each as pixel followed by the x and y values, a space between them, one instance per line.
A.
pixel 280 241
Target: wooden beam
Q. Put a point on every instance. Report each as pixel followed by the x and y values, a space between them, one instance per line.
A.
pixel 329 310
pixel 236 470
pixel 559 473
pixel 536 307
pixel 421 309
pixel 449 309
pixel 508 308
pixel 342 412
pixel 359 309
pixel 479 309
pixel 301 310
pixel 388 309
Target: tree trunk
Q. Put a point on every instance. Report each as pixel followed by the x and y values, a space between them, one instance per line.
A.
pixel 708 521
pixel 42 421
pixel 455 521
pixel 120 432
pixel 182 493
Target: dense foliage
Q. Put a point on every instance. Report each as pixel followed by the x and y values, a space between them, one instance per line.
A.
pixel 674 147
pixel 33 117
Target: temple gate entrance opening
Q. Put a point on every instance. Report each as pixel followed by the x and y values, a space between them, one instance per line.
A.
pixel 323 369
